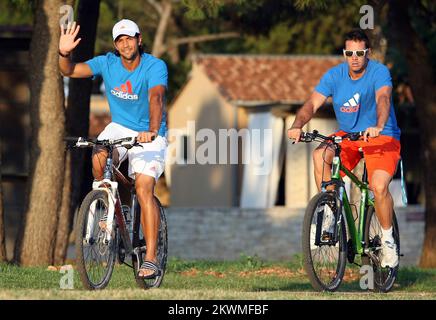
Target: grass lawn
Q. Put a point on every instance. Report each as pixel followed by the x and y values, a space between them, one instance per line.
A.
pixel 246 278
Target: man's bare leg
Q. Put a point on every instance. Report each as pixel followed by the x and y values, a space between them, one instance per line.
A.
pixel 383 199
pixel 322 159
pixel 99 156
pixel 384 210
pixel 149 216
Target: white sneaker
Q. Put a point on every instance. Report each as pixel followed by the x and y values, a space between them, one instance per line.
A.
pixel 389 256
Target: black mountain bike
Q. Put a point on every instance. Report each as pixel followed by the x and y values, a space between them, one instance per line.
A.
pixel 107 229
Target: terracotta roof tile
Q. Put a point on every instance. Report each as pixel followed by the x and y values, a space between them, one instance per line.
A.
pixel 266 78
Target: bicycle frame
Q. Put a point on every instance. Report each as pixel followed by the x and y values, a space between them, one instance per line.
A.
pixel 356 234
pixel 114 210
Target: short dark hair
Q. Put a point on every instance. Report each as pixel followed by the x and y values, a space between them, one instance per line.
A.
pixel 358 35
pixel 140 49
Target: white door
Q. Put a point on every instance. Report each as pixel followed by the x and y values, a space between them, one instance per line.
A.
pixel 262 160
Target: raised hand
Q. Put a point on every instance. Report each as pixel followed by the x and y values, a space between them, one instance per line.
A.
pixel 66 41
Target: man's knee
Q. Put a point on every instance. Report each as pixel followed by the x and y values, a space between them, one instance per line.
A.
pixel 144 187
pixel 380 188
pixel 100 153
pixel 380 183
pixel 321 156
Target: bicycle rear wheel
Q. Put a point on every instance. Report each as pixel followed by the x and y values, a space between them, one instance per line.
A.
pixel 95 256
pixel 162 249
pixel 384 278
pixel 324 261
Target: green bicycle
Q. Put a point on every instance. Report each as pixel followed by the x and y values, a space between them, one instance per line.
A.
pixel 329 222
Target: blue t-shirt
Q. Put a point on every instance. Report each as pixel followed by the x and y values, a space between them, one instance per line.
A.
pixel 127 91
pixel 354 100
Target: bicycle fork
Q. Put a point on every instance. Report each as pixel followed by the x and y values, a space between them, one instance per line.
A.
pixel 337 212
pixel 109 219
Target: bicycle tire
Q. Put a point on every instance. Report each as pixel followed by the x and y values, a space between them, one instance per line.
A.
pixel 384 278
pixel 331 279
pixel 162 249
pixel 89 279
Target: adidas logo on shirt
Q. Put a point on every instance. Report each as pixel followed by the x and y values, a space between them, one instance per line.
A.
pixel 125 92
pixel 352 105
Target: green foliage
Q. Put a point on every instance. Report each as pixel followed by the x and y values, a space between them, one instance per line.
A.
pixel 311 4
pixel 106 21
pixel 16 12
pixel 277 41
pixel 300 29
pixel 266 27
pixel 251 262
pixel 202 9
pixel 178 74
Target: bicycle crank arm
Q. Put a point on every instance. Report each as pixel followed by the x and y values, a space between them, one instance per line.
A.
pixel 374 258
pixel 137 251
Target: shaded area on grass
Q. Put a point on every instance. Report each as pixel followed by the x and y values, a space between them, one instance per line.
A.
pixel 247 278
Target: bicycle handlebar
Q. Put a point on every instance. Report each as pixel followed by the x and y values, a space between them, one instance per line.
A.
pixel 80 142
pixel 312 136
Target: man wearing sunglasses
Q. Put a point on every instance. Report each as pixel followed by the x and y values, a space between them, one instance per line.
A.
pixel 361 92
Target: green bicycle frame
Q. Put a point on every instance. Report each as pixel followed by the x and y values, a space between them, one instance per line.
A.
pixel 356 234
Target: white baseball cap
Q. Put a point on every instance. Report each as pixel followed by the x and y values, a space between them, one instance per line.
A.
pixel 125 27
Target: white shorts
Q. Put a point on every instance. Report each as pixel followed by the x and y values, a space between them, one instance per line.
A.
pixel 149 160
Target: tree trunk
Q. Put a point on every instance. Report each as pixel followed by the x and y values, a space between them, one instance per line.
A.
pixel 159 46
pixel 3 256
pixel 424 89
pixel 38 231
pixel 77 124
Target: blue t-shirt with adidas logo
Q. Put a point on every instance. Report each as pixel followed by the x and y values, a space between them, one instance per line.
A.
pixel 127 91
pixel 354 100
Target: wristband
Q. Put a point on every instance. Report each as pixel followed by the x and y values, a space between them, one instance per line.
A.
pixel 64 55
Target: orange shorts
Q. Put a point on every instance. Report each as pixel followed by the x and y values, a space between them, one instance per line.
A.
pixel 380 153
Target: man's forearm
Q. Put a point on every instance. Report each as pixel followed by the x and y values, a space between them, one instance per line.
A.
pixel 304 114
pixel 383 108
pixel 156 110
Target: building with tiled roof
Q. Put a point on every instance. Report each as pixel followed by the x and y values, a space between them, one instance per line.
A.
pixel 265 79
pixel 240 92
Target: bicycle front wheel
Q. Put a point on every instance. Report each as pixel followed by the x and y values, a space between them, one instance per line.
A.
pixel 162 249
pixel 324 259
pixel 95 253
pixel 384 278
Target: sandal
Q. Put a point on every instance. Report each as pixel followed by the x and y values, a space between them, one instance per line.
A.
pixel 149 265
